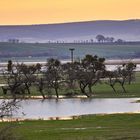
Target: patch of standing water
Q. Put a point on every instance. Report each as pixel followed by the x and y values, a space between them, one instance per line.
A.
pixel 38 109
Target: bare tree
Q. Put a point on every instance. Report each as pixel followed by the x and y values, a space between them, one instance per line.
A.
pixel 129 68
pixel 19 78
pixel 86 73
pixel 7 108
pixel 51 78
pixel 121 75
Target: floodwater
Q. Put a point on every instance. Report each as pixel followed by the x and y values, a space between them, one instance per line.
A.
pixel 39 109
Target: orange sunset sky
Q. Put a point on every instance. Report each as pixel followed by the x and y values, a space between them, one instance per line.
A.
pixel 16 12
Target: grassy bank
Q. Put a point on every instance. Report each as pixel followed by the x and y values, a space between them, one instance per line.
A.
pixel 100 127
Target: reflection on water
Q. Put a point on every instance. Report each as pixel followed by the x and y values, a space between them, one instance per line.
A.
pixel 34 109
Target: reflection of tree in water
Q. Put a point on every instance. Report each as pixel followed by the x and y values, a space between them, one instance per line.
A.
pixel 83 100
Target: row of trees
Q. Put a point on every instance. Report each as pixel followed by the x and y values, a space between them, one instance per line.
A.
pixel 103 39
pixel 99 38
pixel 83 75
pixel 13 41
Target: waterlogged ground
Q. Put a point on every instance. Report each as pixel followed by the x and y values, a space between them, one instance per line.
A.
pixel 51 108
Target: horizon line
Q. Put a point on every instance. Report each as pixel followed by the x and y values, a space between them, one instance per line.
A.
pixel 69 22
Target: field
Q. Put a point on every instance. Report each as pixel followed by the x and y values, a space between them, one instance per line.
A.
pixel 40 52
pixel 93 127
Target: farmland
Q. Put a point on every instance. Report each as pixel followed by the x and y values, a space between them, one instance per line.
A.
pixel 42 51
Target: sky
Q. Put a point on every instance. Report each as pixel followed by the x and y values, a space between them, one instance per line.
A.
pixel 22 12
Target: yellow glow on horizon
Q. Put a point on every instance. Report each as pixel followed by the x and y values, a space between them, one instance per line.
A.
pixel 56 11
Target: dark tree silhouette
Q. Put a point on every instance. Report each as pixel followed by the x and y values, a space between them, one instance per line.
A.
pixel 109 39
pixel 52 76
pixel 19 79
pixel 9 65
pixel 129 68
pixel 100 38
pixel 121 75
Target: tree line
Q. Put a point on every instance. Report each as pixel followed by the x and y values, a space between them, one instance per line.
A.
pixel 82 75
pixel 98 39
pixel 102 39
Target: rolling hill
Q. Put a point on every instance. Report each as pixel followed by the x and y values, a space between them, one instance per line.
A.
pixel 127 30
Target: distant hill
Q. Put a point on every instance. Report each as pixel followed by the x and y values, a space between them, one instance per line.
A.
pixel 127 30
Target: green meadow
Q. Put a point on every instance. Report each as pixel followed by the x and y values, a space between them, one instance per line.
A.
pixel 92 127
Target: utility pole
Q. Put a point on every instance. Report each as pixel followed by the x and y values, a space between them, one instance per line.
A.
pixel 72 50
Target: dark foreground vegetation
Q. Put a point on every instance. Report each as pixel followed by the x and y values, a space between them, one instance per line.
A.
pixel 68 78
pixel 96 127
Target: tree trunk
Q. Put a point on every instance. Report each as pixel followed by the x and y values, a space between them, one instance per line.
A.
pixel 122 84
pixel 42 94
pixel 123 88
pixel 82 88
pixel 90 88
pixel 113 88
pixel 41 91
pixel 56 92
pixel 28 89
pixel 92 84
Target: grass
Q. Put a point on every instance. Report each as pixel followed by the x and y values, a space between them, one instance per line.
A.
pixel 92 127
pixel 106 91
pixel 100 90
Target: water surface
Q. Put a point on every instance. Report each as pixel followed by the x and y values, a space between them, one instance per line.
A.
pixel 34 109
